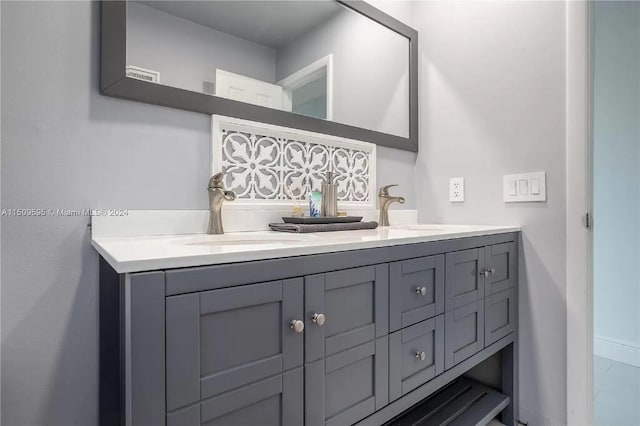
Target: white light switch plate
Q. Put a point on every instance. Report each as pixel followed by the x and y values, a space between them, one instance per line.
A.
pixel 456 190
pixel 524 188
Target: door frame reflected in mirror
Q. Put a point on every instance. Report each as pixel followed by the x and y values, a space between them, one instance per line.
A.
pixel 307 75
pixel 114 82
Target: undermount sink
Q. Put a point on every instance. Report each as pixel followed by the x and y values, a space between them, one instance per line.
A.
pixel 238 240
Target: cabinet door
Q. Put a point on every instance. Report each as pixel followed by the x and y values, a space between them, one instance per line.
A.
pixel 346 387
pixel 275 401
pixel 464 333
pixel 465 277
pixel 500 311
pixel 416 355
pixel 354 303
pixel 500 261
pixel 224 339
pixel 416 290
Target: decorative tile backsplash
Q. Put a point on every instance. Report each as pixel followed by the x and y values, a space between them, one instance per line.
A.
pixel 267 164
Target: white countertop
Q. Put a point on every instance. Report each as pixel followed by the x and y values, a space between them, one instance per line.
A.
pixel 146 253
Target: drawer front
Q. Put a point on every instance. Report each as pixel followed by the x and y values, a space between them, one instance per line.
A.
pixel 220 340
pixel 465 278
pixel 416 355
pixel 416 290
pixel 276 401
pixel 346 387
pixel 500 261
pixel 355 306
pixel 464 333
pixel 500 311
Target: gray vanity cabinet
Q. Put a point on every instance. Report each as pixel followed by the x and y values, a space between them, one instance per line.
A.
pixel 416 355
pixel 464 277
pixel 480 299
pixel 500 315
pixel 333 339
pixel 346 387
pixel 274 401
pixel 416 290
pixel 346 374
pixel 354 303
pixel 252 325
pixel 500 263
pixel 464 328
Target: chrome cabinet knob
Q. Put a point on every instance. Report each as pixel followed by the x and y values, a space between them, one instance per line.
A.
pixel 484 273
pixel 421 355
pixel 318 318
pixel 297 326
pixel 492 271
pixel 421 291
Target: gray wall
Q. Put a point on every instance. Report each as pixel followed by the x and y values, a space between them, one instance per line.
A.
pixel 64 145
pixel 617 172
pixel 370 70
pixel 492 99
pixel 187 54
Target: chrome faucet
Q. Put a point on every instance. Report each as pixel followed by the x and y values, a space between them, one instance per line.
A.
pixel 385 200
pixel 217 195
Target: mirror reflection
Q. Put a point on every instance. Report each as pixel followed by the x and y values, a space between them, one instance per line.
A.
pixel 315 58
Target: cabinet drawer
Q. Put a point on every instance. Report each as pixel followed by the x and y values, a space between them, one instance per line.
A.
pixel 346 387
pixel 276 401
pixel 416 290
pixel 220 340
pixel 464 277
pixel 464 333
pixel 500 315
pixel 500 261
pixel 416 355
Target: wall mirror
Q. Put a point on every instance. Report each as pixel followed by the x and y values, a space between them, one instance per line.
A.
pixel 338 67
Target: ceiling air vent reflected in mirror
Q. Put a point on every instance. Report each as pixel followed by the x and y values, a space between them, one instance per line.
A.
pixel 143 74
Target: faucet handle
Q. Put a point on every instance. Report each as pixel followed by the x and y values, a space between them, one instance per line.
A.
pixel 384 191
pixel 216 180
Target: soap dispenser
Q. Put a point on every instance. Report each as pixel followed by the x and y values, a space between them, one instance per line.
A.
pixel 329 197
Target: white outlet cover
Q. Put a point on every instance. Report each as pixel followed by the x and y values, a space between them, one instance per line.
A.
pixel 456 190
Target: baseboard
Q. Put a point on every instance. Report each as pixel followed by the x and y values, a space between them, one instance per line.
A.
pixel 616 351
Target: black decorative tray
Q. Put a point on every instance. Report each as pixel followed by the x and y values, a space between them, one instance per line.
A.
pixel 319 220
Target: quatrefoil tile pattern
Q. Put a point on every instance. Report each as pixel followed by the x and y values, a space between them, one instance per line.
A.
pixel 266 164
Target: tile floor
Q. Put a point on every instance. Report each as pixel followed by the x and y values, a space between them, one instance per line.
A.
pixel 617 393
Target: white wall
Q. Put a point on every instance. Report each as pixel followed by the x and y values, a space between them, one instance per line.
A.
pixel 492 99
pixel 64 145
pixel 617 174
pixel 187 54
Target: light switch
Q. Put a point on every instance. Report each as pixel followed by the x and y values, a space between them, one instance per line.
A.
pixel 523 187
pixel 535 186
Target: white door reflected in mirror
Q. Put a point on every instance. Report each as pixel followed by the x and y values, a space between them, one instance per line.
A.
pixel 245 89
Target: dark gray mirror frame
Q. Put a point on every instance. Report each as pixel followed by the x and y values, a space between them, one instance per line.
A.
pixel 114 82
